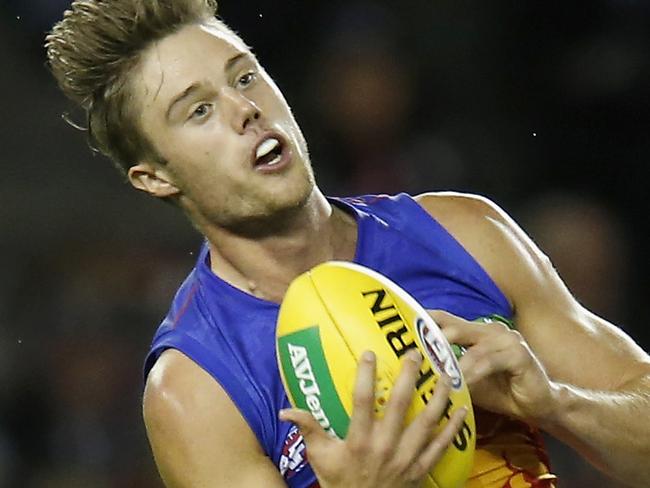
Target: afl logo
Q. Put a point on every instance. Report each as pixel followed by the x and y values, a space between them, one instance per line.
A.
pixel 439 353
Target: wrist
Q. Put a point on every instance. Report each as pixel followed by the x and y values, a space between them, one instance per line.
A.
pixel 558 408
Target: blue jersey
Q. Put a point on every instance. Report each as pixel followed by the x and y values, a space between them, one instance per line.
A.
pixel 231 334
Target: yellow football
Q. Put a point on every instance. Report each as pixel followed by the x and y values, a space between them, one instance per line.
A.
pixel 333 313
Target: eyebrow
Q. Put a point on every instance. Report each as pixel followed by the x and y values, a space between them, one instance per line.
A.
pixel 236 59
pixel 194 87
pixel 189 91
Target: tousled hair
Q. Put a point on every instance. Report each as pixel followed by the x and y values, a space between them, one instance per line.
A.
pixel 91 52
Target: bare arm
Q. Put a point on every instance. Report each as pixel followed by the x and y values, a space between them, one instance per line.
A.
pixel 198 437
pixel 569 371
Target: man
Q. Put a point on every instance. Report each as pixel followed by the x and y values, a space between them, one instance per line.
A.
pixel 184 109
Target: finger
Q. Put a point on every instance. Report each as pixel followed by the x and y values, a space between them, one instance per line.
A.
pixel 479 363
pixel 467 333
pixel 401 395
pixel 421 430
pixel 437 447
pixel 500 349
pixel 456 329
pixel 314 435
pixel 363 398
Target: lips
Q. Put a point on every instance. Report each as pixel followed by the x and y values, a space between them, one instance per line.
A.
pixel 270 153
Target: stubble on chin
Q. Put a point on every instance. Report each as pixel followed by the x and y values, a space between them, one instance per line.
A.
pixel 277 218
pixel 266 215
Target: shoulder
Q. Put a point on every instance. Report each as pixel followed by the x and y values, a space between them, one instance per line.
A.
pixel 175 382
pixel 478 223
pixel 180 395
pixel 458 210
pixel 194 428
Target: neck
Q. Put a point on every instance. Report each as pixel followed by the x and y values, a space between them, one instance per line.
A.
pixel 265 266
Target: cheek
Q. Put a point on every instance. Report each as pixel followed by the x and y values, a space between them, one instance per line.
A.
pixel 198 148
pixel 202 168
pixel 271 98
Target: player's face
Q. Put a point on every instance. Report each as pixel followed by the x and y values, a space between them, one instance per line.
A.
pixel 234 152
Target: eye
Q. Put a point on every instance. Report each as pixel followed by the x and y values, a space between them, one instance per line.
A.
pixel 246 79
pixel 201 111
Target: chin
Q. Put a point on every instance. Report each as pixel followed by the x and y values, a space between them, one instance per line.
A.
pixel 270 214
pixel 261 210
pixel 294 192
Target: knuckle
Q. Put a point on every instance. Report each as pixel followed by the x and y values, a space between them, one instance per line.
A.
pixel 384 451
pixel 399 464
pixel 441 394
pixel 474 354
pixel 431 416
pixel 399 401
pixel 298 416
pixel 305 426
pixel 416 471
pixel 358 446
pixel 499 325
pixel 484 364
pixel 363 398
pixel 499 334
pixel 515 337
pixel 523 354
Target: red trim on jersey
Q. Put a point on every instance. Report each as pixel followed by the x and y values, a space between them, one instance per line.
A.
pixel 186 304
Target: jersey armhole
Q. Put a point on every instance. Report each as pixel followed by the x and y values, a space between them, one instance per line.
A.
pixel 393 209
pixel 463 254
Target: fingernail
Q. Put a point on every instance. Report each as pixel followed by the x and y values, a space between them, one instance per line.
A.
pixel 368 356
pixel 283 414
pixel 414 355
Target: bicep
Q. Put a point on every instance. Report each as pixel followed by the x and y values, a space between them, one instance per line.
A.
pixel 574 345
pixel 197 435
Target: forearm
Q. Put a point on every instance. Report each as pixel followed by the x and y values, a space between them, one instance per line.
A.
pixel 610 429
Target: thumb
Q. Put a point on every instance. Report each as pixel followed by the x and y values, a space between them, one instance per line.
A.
pixel 310 429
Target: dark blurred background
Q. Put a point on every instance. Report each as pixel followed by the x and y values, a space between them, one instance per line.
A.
pixel 541 106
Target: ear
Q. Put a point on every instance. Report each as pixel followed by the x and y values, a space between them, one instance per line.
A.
pixel 153 180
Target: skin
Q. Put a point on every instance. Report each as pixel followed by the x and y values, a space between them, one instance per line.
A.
pixel 544 373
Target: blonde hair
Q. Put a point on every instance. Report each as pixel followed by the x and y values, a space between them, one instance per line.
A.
pixel 91 52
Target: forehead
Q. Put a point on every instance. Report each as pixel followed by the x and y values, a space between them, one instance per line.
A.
pixel 194 53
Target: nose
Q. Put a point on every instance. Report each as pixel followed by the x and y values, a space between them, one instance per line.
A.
pixel 244 111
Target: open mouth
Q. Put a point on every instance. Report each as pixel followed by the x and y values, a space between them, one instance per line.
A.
pixel 269 152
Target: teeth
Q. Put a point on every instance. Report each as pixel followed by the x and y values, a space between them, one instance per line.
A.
pixel 266 147
pixel 275 161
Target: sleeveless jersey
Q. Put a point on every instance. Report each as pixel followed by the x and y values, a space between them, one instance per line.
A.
pixel 231 335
